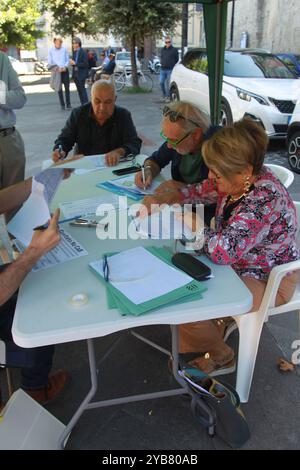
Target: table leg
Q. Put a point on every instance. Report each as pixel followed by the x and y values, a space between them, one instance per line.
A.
pixel 88 398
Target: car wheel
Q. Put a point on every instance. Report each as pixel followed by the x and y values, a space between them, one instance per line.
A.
pixel 293 146
pixel 174 94
pixel 226 114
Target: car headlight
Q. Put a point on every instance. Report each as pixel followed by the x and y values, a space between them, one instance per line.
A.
pixel 247 96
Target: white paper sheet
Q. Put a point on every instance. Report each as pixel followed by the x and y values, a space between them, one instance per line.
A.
pixel 51 180
pixel 48 163
pixel 163 225
pixel 66 250
pixel 127 182
pixel 34 212
pixel 89 162
pixel 141 276
pixel 85 207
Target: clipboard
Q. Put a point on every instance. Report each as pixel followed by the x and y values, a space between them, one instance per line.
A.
pixel 115 299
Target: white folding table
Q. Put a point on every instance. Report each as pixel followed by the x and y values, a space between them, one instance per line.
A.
pixel 45 316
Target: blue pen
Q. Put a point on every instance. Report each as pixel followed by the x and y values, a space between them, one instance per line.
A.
pixel 45 226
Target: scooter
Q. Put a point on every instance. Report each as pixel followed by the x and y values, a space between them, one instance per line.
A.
pixel 40 67
pixel 154 65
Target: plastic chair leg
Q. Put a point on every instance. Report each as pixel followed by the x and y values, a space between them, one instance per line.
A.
pixel 9 382
pixel 250 327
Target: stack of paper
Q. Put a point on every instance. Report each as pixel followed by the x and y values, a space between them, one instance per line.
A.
pixel 142 279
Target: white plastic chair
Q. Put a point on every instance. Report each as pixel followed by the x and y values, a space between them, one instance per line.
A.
pixel 285 175
pixel 26 425
pixel 250 325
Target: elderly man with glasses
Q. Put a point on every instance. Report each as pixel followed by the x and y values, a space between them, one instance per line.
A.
pixel 184 129
pixel 168 58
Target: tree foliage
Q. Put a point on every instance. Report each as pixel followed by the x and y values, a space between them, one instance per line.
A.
pixel 133 20
pixel 71 17
pixel 18 23
pixel 139 18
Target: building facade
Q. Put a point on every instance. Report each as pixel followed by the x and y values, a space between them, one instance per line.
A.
pixel 267 24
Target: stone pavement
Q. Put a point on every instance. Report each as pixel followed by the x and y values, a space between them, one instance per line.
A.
pixel 273 411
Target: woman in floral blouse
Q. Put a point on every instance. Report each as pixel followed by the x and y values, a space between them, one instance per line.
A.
pixel 255 230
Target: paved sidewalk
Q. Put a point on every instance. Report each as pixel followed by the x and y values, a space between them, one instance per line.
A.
pixel 273 411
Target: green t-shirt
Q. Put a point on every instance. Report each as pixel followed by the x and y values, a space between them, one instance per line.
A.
pixel 190 167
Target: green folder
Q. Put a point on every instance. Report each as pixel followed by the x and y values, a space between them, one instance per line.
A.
pixel 187 293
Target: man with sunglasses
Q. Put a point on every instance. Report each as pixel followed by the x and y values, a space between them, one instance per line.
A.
pixel 168 59
pixel 184 129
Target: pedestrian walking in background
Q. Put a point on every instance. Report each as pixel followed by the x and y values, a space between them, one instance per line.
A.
pixel 58 59
pixel 168 58
pixel 80 65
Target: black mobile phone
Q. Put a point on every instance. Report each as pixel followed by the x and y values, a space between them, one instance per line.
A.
pixel 191 266
pixel 127 170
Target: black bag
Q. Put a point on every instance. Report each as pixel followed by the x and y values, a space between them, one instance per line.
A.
pixel 216 405
pixel 192 266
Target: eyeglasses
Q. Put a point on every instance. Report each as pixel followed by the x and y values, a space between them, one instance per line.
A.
pixel 174 143
pixel 167 42
pixel 174 116
pixel 105 268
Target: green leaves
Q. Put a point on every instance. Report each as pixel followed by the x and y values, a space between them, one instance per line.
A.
pixel 71 17
pixel 124 18
pixel 19 23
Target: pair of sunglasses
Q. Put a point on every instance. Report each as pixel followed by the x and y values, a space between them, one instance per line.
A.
pixel 174 116
pixel 174 143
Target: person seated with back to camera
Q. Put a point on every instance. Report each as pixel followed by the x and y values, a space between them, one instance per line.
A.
pixel 256 226
pixel 99 127
pixel 35 363
pixel 184 128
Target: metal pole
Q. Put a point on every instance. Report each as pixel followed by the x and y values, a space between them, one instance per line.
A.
pixel 217 62
pixel 232 24
pixel 184 27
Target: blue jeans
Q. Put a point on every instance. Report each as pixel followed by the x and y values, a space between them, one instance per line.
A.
pixel 164 81
pixel 35 363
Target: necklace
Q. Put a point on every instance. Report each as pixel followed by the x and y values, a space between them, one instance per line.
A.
pixel 232 199
pixel 247 187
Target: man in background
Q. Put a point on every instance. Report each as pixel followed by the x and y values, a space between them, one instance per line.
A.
pixel 168 58
pixel 58 57
pixel 109 67
pixel 12 152
pixel 80 65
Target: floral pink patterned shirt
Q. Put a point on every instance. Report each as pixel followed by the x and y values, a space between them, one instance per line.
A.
pixel 260 232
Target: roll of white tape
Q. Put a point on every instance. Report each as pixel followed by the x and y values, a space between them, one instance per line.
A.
pixel 78 300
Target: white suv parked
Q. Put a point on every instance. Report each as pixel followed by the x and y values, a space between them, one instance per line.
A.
pixel 255 84
pixel 293 140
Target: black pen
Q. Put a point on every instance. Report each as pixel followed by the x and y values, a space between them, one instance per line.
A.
pixel 45 226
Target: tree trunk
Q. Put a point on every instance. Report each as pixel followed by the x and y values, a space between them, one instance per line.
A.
pixel 148 49
pixel 135 78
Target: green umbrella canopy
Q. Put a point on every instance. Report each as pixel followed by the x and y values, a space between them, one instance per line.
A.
pixel 215 20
